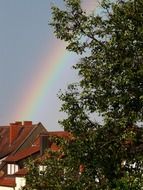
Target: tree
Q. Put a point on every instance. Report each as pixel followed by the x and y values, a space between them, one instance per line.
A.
pixel 111 84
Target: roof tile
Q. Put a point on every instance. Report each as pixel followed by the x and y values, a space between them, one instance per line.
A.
pixel 5 147
pixel 7 181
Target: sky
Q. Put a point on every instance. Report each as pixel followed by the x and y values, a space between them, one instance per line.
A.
pixel 34 65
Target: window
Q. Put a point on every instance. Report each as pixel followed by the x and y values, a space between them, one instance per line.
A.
pixel 12 168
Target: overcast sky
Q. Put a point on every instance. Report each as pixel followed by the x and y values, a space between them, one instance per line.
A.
pixel 25 39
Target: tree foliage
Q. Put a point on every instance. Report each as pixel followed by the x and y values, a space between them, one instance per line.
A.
pixel 111 84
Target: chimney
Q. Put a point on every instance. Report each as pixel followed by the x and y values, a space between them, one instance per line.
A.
pixel 27 123
pixel 13 131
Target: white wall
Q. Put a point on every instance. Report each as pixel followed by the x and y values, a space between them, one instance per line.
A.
pixel 20 182
pixel 6 188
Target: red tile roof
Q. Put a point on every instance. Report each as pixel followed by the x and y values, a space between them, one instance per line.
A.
pixel 7 181
pixel 22 133
pixel 54 147
pixel 64 134
pixel 35 148
pixel 22 172
pixel 23 154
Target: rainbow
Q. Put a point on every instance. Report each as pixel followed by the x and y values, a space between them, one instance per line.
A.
pixel 47 74
pixel 45 77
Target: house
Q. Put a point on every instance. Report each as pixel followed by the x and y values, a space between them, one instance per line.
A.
pixel 22 141
pixel 16 138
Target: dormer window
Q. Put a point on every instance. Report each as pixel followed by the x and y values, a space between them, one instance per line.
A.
pixel 12 168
